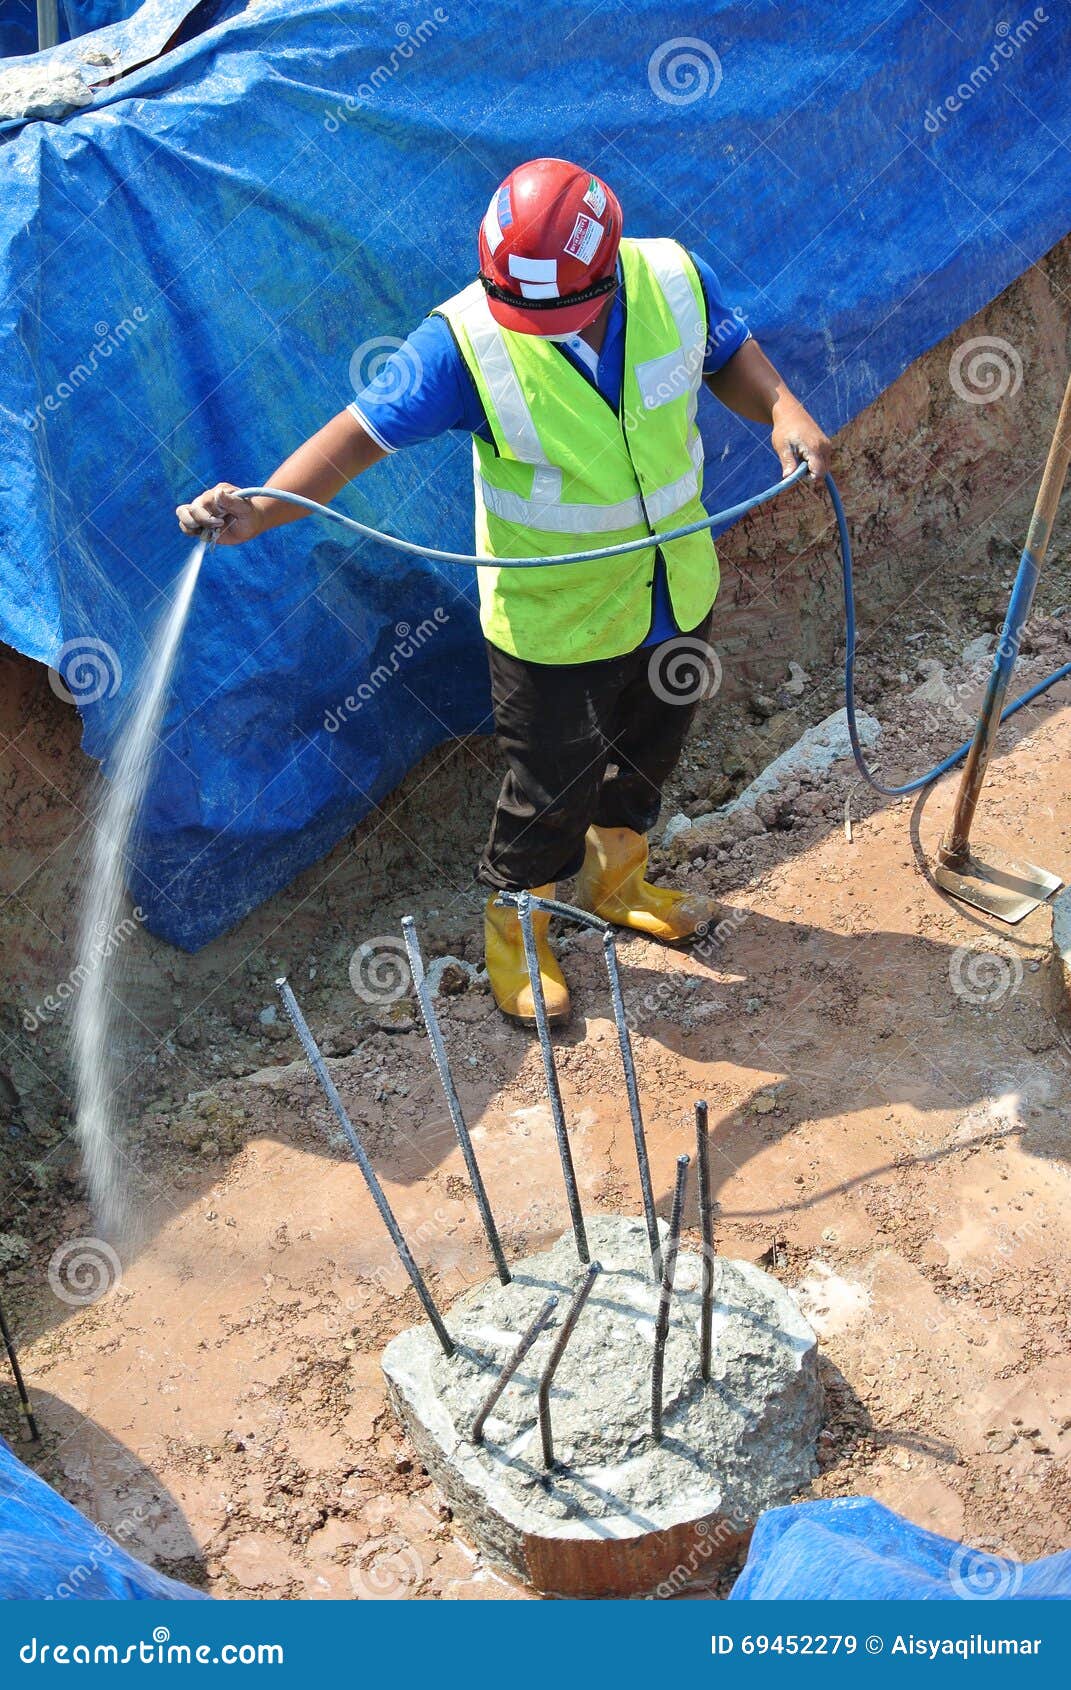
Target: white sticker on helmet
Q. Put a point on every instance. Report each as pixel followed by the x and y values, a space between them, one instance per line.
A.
pixel 596 197
pixel 583 243
pixel 492 228
pixel 533 269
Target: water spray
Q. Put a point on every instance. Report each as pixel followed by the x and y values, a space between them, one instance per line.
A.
pixel 96 1045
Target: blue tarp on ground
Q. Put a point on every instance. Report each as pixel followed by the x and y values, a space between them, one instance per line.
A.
pixel 853 1549
pixel 190 267
pixel 49 1551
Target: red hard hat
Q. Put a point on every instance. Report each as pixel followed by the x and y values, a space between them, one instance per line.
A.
pixel 548 248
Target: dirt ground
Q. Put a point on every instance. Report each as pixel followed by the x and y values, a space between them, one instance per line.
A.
pixel 888 1076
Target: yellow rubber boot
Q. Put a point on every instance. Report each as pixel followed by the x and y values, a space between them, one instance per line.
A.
pixel 611 884
pixel 508 971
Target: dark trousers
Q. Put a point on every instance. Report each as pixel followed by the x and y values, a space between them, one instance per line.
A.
pixel 586 743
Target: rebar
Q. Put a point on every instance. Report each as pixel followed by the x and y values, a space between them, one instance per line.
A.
pixel 557 1112
pixel 319 1068
pixel 511 1366
pixel 25 1407
pixel 669 1265
pixel 453 1102
pixel 585 918
pixel 568 912
pixel 706 1232
pixel 624 1040
pixel 547 1378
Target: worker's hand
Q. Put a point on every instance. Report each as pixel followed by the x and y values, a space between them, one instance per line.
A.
pixel 219 508
pixel 796 435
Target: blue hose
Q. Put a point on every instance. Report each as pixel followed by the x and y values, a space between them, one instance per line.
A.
pixel 718 519
pixel 954 757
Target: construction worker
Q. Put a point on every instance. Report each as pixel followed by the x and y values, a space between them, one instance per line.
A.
pixel 575 362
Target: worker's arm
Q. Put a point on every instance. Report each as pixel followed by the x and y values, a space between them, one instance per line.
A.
pixel 319 469
pixel 749 385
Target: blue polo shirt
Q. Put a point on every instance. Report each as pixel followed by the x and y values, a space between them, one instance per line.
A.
pixel 424 389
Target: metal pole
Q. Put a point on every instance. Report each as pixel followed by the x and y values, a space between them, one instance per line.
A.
pixel 609 946
pixel 954 851
pixel 25 1408
pixel 555 1357
pixel 524 910
pixel 47 24
pixel 527 1340
pixel 669 1266
pixel 453 1102
pixel 706 1231
pixel 319 1068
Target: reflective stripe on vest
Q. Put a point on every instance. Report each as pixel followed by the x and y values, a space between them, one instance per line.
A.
pixel 545 510
pixel 675 373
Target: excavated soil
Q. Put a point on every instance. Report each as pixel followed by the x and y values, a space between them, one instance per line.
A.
pixel 888 1081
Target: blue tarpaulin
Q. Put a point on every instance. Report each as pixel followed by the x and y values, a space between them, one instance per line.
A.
pixel 49 1551
pixel 18 21
pixel 193 268
pixel 853 1549
pixel 82 16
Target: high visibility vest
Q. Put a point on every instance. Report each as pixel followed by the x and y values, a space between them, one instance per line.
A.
pixel 565 473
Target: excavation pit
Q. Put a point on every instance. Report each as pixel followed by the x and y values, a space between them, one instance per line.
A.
pixel 619 1514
